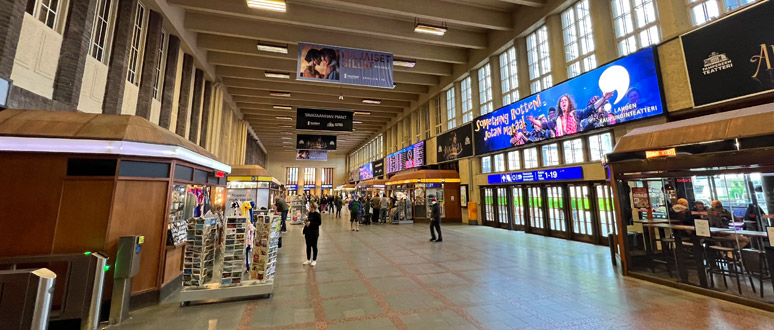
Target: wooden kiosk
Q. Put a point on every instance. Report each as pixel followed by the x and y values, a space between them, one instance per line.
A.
pixel 419 185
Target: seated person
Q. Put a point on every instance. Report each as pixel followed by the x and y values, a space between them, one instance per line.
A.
pixel 680 211
pixel 699 210
pixel 719 217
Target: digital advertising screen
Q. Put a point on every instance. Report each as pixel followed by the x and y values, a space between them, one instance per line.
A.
pixel 409 157
pixel 455 144
pixel 367 171
pixel 621 91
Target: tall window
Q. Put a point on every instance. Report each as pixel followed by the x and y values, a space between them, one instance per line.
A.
pixel 486 164
pixel 499 163
pixel 578 39
pixel 509 79
pixel 160 66
pixel 292 175
pixel 703 11
pixel 137 45
pixel 467 101
pixel 550 154
pixel 514 163
pixel 438 115
pixel 530 158
pixel 636 24
pixel 327 176
pixel 573 151
pixel 51 12
pixel 539 59
pixel 485 89
pixel 599 145
pixel 100 34
pixel 309 175
pixel 451 109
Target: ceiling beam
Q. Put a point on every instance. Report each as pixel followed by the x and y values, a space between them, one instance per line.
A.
pixel 312 88
pixel 244 46
pixel 243 100
pixel 339 21
pixel 237 27
pixel 433 10
pixel 235 91
pixel 530 3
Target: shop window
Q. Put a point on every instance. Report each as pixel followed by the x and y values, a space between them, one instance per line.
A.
pixel 539 59
pixel 183 173
pixel 514 161
pixel 130 168
pixel 509 78
pixel 499 163
pixel 485 89
pixel 102 30
pixel 636 25
pixel 451 110
pixel 600 145
pixel 467 101
pixel 578 39
pixel 91 167
pixel 530 158
pixel 550 153
pixel 138 39
pixel 486 164
pixel 573 151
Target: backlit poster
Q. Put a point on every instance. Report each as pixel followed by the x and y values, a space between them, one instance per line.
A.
pixel 621 91
pixel 367 171
pixel 455 144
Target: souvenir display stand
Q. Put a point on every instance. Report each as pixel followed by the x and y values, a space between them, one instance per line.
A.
pixel 245 259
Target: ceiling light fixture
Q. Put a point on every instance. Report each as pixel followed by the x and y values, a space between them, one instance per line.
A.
pixel 284 118
pixel 286 126
pixel 272 48
pixel 286 138
pixel 282 107
pixel 365 113
pixel 404 63
pixel 372 101
pixel 279 94
pixel 356 122
pixel 273 5
pixel 280 75
pixel 429 29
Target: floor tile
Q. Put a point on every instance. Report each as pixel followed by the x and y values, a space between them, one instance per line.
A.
pixel 350 308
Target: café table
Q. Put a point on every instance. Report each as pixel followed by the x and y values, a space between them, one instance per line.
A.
pixel 660 224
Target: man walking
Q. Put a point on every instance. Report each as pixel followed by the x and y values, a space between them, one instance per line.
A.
pixel 282 208
pixel 435 220
pixel 338 202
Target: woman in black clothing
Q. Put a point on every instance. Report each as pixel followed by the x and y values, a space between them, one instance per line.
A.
pixel 311 233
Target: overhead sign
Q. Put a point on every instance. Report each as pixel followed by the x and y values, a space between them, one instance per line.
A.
pixel 624 90
pixel 455 144
pixel 568 173
pixel 378 168
pixel 324 120
pixel 409 157
pixel 671 152
pixel 367 171
pixel 732 57
pixel 319 155
pixel 315 142
pixel 344 65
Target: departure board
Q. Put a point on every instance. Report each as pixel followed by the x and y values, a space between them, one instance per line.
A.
pixel 409 157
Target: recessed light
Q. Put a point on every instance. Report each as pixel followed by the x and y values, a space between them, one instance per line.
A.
pixel 282 107
pixel 286 138
pixel 284 117
pixel 372 101
pixel 357 122
pixel 429 29
pixel 286 132
pixel 404 63
pixel 365 113
pixel 286 126
pixel 272 48
pixel 281 75
pixel 273 5
pixel 279 94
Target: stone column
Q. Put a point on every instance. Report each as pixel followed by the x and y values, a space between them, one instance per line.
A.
pixel 196 106
pixel 11 18
pixel 605 47
pixel 119 57
pixel 76 43
pixel 170 73
pixel 522 65
pixel 556 49
pixel 185 92
pixel 206 106
pixel 497 84
pixel 149 64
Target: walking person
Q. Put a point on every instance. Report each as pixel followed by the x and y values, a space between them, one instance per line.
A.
pixel 384 205
pixel 338 202
pixel 354 214
pixel 282 208
pixel 435 220
pixel 311 234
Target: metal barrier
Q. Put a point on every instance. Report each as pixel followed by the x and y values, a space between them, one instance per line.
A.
pixel 83 277
pixel 25 302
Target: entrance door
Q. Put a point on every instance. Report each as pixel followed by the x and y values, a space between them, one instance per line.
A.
pixel 502 208
pixel 535 207
pixel 580 213
pixel 488 210
pixel 606 212
pixel 517 197
pixel 555 208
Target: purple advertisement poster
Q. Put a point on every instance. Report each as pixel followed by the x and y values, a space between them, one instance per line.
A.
pixel 344 65
pixel 321 155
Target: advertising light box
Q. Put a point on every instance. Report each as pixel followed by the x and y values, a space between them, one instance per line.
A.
pixel 621 91
pixel 409 157
pixel 367 171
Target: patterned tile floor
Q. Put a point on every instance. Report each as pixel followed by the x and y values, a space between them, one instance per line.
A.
pixel 391 277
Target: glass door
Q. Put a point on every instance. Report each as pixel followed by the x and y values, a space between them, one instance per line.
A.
pixel 502 208
pixel 606 212
pixel 580 211
pixel 555 205
pixel 535 205
pixel 488 211
pixel 518 208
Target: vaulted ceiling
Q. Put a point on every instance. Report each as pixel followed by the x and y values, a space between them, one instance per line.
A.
pixel 229 32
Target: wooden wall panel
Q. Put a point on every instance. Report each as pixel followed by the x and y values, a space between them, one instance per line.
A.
pixel 139 209
pixel 83 215
pixel 29 200
pixel 173 264
pixel 452 207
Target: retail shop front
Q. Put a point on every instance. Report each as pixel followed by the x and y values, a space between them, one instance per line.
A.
pixel 251 183
pixel 78 182
pixel 372 187
pixel 419 186
pixel 540 158
pixel 723 159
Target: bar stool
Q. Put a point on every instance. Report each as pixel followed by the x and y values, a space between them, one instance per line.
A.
pixel 755 264
pixel 727 262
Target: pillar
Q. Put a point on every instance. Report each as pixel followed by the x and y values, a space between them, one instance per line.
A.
pixel 183 102
pixel 168 89
pixel 673 18
pixel 605 47
pixel 522 65
pixel 556 49
pixel 76 43
pixel 150 62
pixel 206 110
pixel 497 84
pixel 119 57
pixel 196 106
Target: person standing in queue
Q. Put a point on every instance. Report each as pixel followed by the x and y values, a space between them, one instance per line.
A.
pixel 338 202
pixel 384 204
pixel 435 220
pixel 354 214
pixel 282 208
pixel 311 234
pixel 376 205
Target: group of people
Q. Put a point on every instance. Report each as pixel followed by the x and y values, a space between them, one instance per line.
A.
pixel 718 216
pixel 368 209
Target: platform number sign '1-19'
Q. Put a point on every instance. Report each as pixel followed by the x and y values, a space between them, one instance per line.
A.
pixel 568 173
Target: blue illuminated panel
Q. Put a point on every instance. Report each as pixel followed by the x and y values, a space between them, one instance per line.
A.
pixel 568 173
